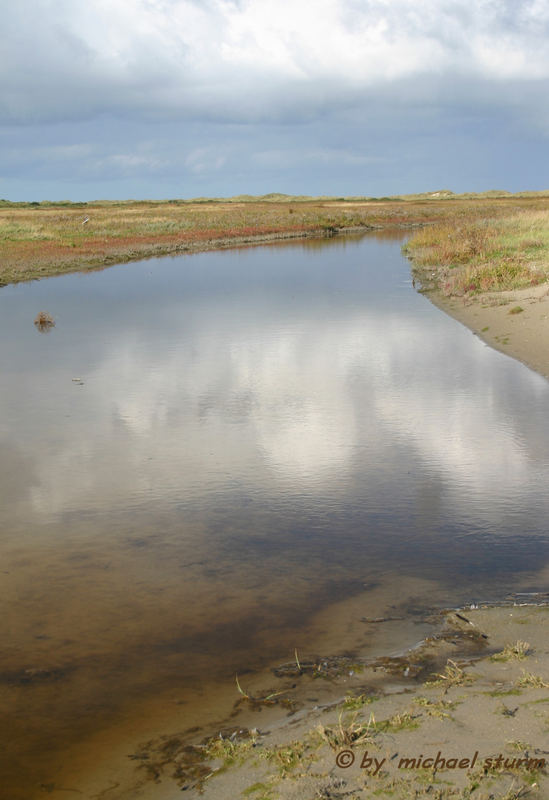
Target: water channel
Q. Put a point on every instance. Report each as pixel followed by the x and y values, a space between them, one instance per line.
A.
pixel 209 456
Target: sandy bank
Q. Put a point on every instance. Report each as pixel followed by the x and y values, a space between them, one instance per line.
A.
pixel 514 322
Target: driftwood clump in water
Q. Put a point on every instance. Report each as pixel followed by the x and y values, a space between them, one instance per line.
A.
pixel 44 321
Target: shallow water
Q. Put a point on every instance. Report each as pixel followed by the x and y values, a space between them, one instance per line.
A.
pixel 255 435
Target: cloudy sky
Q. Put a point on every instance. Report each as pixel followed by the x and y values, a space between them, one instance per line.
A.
pixel 186 98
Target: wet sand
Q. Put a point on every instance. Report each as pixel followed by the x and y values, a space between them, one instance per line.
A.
pixel 495 317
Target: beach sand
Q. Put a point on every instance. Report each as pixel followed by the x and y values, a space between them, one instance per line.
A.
pixel 495 317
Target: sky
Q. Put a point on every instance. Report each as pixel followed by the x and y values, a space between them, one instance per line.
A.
pixel 153 99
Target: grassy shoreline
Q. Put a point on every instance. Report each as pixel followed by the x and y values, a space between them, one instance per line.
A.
pixel 41 240
pixel 491 274
pixel 473 255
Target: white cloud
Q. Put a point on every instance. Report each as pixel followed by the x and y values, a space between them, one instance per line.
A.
pixel 263 406
pixel 163 98
pixel 254 58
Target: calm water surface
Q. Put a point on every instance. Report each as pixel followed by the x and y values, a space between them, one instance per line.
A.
pixel 255 436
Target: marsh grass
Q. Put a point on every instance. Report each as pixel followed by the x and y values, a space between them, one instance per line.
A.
pixel 244 694
pixel 297 662
pixel 453 675
pixel 517 793
pixel 503 692
pixel 38 239
pixel 521 747
pixel 530 681
pixel 193 763
pixel 518 652
pixel 327 668
pixel 349 732
pixel 255 701
pixel 405 721
pixel 229 751
pixel 353 730
pixel 353 703
pixel 260 791
pixel 287 758
pixel 434 708
pixel 471 255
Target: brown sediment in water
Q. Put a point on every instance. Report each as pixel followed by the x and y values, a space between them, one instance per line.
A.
pixel 479 683
pixel 80 706
pixel 106 659
pixel 75 710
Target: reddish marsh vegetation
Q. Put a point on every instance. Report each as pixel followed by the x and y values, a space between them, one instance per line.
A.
pixel 40 239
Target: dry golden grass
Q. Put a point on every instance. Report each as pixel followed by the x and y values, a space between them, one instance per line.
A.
pixel 472 255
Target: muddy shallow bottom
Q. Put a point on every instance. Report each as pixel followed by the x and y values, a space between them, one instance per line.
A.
pixel 282 710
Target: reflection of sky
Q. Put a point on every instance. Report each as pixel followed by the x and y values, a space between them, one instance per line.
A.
pixel 311 382
pixel 259 435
